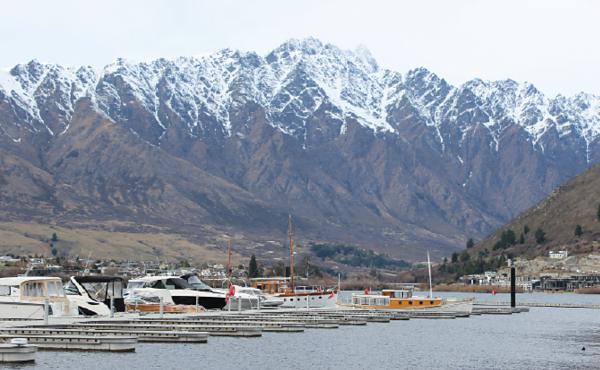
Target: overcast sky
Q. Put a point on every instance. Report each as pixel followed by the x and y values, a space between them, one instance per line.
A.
pixel 553 44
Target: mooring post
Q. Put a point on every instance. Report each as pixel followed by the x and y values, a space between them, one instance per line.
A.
pixel 46 310
pixel 162 306
pixel 513 290
pixel 112 306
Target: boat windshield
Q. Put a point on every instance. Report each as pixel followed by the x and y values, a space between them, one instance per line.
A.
pixel 134 285
pixel 71 289
pixel 196 283
pixel 171 283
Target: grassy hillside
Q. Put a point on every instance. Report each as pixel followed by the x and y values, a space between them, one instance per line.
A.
pixel 549 225
pixel 574 203
pixel 106 241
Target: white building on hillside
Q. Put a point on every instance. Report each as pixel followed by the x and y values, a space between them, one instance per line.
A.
pixel 558 254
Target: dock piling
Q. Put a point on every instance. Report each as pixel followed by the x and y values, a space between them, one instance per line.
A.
pixel 513 294
pixel 46 310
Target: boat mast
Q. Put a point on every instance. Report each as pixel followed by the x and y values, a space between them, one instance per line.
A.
pixel 290 236
pixel 429 267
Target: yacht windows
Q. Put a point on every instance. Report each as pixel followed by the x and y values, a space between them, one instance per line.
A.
pixel 55 289
pixel 34 289
pixel 4 290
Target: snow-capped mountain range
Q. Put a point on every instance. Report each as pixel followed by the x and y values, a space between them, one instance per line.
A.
pixel 472 155
pixel 351 81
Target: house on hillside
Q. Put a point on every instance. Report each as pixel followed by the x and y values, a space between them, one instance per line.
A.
pixel 558 254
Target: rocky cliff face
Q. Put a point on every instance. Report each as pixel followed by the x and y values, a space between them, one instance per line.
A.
pixel 356 152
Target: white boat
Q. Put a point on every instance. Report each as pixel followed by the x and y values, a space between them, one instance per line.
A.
pixel 173 291
pixel 242 299
pixel 23 298
pixel 93 295
pixel 308 297
pixel 298 297
pixel 295 296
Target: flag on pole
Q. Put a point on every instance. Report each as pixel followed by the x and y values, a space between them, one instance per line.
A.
pixel 230 292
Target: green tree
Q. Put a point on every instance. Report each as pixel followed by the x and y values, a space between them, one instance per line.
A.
pixel 540 235
pixel 470 243
pixel 465 256
pixel 509 237
pixel 525 229
pixel 454 257
pixel 578 230
pixel 253 268
pixel 522 239
pixel 54 237
pixel 54 252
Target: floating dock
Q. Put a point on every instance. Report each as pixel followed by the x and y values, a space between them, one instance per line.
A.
pixel 17 353
pixel 122 332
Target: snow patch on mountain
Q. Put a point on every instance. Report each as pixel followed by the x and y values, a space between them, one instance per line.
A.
pixel 292 83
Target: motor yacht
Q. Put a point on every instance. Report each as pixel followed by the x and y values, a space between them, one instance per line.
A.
pixel 95 294
pixel 174 291
pixel 23 298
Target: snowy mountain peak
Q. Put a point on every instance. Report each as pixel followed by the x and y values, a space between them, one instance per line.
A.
pixel 293 82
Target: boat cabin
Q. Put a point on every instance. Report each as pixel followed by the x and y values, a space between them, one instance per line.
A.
pixel 370 300
pixel 159 282
pixel 271 285
pixel 402 293
pixel 99 289
pixel 33 289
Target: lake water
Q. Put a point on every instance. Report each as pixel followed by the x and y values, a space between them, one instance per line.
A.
pixel 544 338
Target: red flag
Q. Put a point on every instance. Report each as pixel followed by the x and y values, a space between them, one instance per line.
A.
pixel 493 291
pixel 332 294
pixel 230 292
pixel 366 290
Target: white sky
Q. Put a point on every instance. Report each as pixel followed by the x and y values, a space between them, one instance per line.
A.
pixel 553 44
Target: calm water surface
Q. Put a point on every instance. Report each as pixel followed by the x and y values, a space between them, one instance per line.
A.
pixel 544 338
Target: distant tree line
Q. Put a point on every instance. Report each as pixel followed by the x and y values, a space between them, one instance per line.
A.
pixel 508 238
pixel 356 257
pixel 463 264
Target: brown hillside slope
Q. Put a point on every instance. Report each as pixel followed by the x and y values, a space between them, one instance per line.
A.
pixel 574 203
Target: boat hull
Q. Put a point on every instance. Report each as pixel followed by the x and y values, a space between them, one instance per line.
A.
pixel 308 300
pixel 167 308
